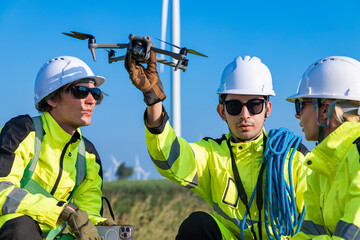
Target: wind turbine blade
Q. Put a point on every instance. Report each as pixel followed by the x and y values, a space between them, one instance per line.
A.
pixel 164 16
pixel 116 163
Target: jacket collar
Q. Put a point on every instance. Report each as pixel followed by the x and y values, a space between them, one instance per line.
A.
pixel 327 155
pixel 253 145
pixel 58 135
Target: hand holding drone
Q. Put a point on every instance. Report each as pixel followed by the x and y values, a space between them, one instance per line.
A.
pixel 140 48
pixel 146 79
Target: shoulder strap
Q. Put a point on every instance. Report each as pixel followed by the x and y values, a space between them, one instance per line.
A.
pixel 29 170
pixel 357 142
pixel 80 166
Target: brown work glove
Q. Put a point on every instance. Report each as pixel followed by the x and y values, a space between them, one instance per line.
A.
pixel 146 79
pixel 107 222
pixel 79 223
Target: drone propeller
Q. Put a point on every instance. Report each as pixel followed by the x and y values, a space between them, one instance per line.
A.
pixel 79 35
pixel 73 35
pixel 83 36
pixel 186 49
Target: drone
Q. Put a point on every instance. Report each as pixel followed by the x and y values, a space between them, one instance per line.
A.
pixel 140 48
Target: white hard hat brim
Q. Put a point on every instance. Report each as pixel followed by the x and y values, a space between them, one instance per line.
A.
pixel 323 96
pixel 244 92
pixel 99 80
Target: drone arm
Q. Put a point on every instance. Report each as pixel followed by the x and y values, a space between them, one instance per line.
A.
pixel 163 61
pixel 115 59
pixel 159 60
pixel 115 45
pixel 162 51
pixel 93 46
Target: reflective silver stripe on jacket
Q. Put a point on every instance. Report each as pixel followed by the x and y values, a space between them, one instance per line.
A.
pixel 194 183
pixel 236 221
pixel 4 185
pixel 81 163
pixel 174 154
pixel 347 230
pixel 308 227
pixel 38 138
pixel 13 200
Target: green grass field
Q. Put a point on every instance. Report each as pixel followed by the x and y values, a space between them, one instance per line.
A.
pixel 155 208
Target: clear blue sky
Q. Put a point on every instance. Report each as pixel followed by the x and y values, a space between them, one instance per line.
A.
pixel 287 36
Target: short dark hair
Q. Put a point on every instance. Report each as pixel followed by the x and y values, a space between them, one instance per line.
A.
pixel 56 96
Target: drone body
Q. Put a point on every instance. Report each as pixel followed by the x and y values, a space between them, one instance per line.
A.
pixel 139 48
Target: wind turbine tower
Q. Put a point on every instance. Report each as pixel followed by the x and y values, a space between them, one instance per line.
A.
pixel 175 76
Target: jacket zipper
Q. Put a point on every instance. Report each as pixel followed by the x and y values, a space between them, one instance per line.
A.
pixel 322 214
pixel 72 140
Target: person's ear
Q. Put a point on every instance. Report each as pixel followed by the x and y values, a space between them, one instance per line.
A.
pixel 221 111
pixel 269 107
pixel 51 102
pixel 324 110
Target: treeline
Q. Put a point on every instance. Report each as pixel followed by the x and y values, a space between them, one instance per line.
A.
pixel 155 208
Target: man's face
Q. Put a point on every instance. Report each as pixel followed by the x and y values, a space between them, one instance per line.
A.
pixel 70 112
pixel 245 125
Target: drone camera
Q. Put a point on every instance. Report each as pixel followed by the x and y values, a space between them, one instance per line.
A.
pixel 138 51
pixel 140 47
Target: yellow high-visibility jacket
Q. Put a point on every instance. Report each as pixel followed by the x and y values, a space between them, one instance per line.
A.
pixel 205 168
pixel 332 199
pixel 55 172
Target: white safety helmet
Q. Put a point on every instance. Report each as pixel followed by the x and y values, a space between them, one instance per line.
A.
pixel 248 76
pixel 332 77
pixel 60 71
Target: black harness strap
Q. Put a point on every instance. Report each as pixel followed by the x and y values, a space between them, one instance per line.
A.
pixel 259 194
pixel 357 142
pixel 241 190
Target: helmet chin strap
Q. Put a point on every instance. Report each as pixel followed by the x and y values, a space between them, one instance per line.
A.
pixel 321 131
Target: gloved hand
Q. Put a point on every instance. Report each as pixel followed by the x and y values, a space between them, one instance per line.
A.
pixel 146 79
pixel 107 222
pixel 79 223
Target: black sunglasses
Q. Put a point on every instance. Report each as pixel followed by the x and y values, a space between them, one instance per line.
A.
pixel 299 105
pixel 81 92
pixel 254 106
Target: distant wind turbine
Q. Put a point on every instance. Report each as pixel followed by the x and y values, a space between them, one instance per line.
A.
pixel 108 174
pixel 116 164
pixel 139 170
